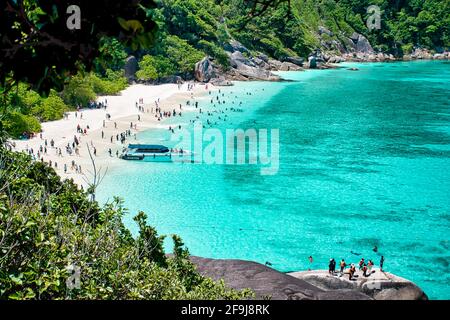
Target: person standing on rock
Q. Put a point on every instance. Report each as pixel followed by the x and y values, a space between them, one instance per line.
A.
pixel 342 264
pixel 351 271
pixel 369 267
pixel 364 269
pixel 310 258
pixel 331 266
pixel 381 263
pixel 361 263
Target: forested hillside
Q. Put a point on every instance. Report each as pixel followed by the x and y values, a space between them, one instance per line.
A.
pixel 292 28
pixel 188 30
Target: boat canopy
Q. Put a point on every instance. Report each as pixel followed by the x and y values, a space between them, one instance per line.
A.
pixel 149 148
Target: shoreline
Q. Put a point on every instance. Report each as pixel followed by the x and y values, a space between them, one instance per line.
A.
pixel 123 112
pixel 102 133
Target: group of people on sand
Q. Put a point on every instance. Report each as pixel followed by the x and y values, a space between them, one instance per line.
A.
pixel 212 114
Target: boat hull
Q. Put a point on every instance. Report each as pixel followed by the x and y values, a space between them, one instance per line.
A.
pixel 159 157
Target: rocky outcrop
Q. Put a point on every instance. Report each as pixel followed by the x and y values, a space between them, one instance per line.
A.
pixel 237 58
pixel 295 60
pixel 308 285
pixel 130 68
pixel 288 66
pixel 316 60
pixel 243 72
pixel 378 285
pixel 246 66
pixel 170 79
pixel 243 66
pixel 425 54
pixel 204 70
pixel 267 282
pixel 234 45
pixel 361 44
pixel 274 64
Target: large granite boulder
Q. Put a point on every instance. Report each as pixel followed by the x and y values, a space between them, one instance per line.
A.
pixel 260 63
pixel 130 68
pixel 267 282
pixel 307 285
pixel 312 62
pixel 204 70
pixel 237 58
pixel 263 57
pixel 235 45
pixel 420 53
pixel 246 72
pixel 221 82
pixel 170 79
pixel 295 60
pixel 361 44
pixel 274 64
pixel 378 285
pixel 336 59
pixel 316 60
pixel 243 68
pixel 287 66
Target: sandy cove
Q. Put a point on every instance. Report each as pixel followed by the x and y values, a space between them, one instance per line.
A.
pixel 123 111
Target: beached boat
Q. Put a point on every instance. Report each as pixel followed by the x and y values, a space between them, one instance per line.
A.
pixel 155 153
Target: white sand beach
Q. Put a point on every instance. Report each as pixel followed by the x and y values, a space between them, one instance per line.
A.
pixel 123 111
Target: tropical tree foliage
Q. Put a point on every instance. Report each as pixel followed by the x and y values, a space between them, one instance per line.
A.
pixel 40 49
pixel 57 244
pixel 155 67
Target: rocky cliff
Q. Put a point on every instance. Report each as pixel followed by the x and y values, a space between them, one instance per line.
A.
pixel 245 65
pixel 308 285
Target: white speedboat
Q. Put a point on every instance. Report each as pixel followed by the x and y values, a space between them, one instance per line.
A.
pixel 156 153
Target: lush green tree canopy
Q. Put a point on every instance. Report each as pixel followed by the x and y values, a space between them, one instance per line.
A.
pixel 49 229
pixel 38 47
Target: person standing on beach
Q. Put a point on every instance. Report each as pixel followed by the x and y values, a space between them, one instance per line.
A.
pixel 381 263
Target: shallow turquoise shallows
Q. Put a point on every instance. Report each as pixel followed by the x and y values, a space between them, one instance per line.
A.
pixel 364 162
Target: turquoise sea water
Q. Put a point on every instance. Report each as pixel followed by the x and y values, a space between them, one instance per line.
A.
pixel 364 162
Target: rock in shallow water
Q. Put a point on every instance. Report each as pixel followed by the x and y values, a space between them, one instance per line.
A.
pixel 204 70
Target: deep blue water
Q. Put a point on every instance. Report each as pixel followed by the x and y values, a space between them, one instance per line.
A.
pixel 364 162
